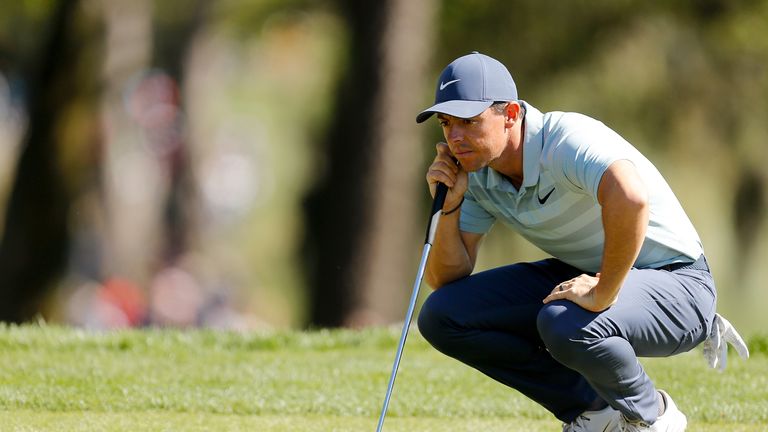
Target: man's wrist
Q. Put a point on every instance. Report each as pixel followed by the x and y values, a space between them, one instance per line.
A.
pixel 454 208
pixel 604 296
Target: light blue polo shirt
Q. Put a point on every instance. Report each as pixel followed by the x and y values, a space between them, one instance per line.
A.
pixel 556 208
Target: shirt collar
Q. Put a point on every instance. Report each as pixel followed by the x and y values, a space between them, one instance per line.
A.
pixel 494 180
pixel 533 143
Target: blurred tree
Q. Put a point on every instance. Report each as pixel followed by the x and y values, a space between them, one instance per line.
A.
pixel 685 82
pixel 749 210
pixel 397 217
pixel 376 101
pixel 337 207
pixel 33 251
pixel 176 25
pixel 148 142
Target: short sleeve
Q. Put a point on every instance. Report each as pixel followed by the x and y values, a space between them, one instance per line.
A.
pixel 583 157
pixel 474 218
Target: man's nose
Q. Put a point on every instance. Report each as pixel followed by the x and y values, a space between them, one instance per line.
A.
pixel 455 135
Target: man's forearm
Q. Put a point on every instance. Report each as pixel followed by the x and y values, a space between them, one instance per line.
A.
pixel 624 235
pixel 625 220
pixel 449 259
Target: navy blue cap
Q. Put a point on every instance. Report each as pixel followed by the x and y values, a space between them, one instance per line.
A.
pixel 469 85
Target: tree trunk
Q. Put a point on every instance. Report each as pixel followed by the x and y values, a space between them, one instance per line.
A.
pixel 147 50
pixel 394 235
pixel 360 213
pixel 171 48
pixel 35 238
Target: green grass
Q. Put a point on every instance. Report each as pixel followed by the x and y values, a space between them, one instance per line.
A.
pixel 60 379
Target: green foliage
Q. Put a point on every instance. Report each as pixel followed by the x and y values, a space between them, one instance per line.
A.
pixel 63 379
pixel 23 27
pixel 247 19
pixel 683 81
pixel 758 345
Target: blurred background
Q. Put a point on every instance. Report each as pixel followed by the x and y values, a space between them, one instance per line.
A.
pixel 256 164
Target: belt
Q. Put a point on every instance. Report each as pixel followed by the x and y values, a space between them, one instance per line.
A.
pixel 699 264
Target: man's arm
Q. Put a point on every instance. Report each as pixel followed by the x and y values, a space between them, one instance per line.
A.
pixel 624 201
pixel 453 254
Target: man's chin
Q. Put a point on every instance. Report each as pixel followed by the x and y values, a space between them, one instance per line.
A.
pixel 469 166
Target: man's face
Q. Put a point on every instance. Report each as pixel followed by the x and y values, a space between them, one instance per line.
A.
pixel 475 141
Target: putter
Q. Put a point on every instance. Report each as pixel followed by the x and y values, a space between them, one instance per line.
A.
pixel 437 206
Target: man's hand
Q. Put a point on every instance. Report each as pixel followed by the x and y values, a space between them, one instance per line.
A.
pixel 445 170
pixel 454 251
pixel 581 290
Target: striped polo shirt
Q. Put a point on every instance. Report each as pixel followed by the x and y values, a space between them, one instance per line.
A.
pixel 556 208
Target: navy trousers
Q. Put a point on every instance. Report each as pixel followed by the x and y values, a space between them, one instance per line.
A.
pixel 562 356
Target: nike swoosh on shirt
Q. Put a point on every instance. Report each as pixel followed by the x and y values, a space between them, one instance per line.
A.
pixel 546 197
pixel 444 85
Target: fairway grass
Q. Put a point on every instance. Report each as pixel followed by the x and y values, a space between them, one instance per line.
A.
pixel 61 379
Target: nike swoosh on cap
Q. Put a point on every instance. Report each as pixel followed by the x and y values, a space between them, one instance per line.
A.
pixel 444 85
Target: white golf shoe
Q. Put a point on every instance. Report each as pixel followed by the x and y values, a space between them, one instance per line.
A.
pixel 604 420
pixel 673 420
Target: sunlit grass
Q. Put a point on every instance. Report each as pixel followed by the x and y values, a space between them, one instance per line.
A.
pixel 59 379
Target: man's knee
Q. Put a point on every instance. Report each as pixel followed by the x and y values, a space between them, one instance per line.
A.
pixel 563 336
pixel 431 319
pixel 435 321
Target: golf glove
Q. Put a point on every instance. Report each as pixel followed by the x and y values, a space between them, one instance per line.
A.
pixel 716 344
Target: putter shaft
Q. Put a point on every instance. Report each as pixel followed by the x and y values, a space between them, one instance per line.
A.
pixel 437 206
pixel 404 334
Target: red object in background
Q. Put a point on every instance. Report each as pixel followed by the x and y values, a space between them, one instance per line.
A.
pixel 126 297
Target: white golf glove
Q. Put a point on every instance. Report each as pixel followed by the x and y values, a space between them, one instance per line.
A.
pixel 716 344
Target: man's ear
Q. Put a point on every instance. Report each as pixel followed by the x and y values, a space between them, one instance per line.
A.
pixel 513 112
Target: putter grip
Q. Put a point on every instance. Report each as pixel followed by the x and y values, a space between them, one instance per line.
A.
pixel 437 207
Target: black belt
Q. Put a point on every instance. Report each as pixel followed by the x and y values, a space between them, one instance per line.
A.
pixel 699 264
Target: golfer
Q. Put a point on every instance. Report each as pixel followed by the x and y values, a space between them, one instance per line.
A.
pixel 628 276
